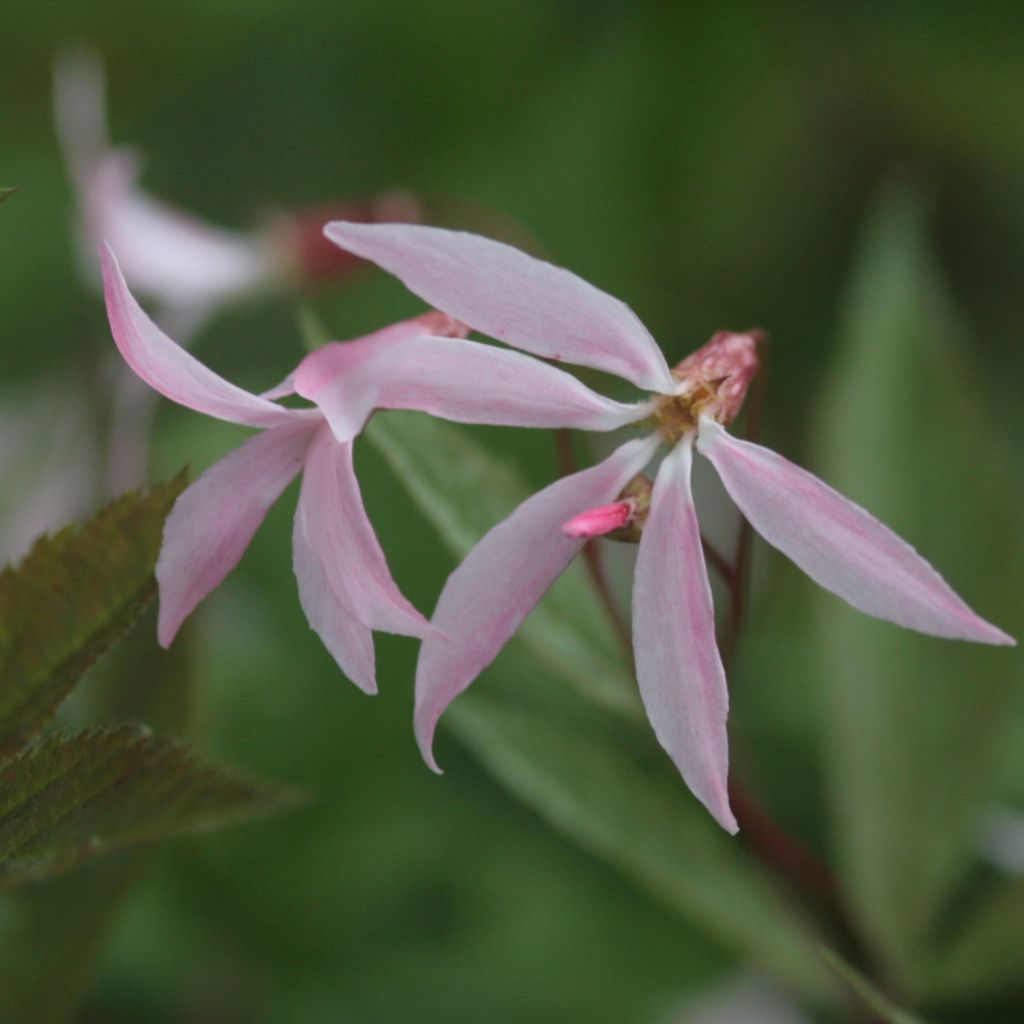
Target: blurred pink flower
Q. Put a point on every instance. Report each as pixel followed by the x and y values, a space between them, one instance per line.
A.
pixel 188 266
pixel 550 312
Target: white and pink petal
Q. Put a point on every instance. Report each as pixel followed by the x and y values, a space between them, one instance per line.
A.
pixel 838 544
pixel 500 581
pixel 464 381
pixel 337 527
pixel 172 371
pixel 515 298
pixel 215 518
pixel 678 667
pixel 348 640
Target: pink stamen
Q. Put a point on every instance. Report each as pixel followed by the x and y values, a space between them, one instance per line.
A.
pixel 596 522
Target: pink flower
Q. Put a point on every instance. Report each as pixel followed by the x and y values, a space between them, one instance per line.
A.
pixel 345 587
pixel 550 312
pixel 190 267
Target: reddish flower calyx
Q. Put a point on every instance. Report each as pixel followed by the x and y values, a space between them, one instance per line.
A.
pixel 310 258
pixel 713 382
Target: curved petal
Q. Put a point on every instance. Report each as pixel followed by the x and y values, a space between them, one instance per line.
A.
pixel 213 521
pixel 502 292
pixel 678 668
pixel 464 381
pixel 169 369
pixel 343 377
pixel 503 577
pixel 837 543
pixel 350 642
pixel 334 520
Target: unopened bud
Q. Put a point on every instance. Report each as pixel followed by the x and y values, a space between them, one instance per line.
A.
pixel 622 520
pixel 596 522
pixel 311 258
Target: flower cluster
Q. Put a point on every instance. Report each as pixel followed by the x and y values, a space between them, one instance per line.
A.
pixel 429 364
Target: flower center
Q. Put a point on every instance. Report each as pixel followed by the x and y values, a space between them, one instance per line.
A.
pixel 678 415
pixel 713 382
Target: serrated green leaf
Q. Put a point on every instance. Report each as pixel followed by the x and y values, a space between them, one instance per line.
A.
pixel 6 193
pixel 604 782
pixel 912 721
pixel 73 596
pixel 881 1007
pixel 66 799
pixel 52 932
pixel 464 490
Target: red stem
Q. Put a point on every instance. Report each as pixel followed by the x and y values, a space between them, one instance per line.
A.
pixel 592 553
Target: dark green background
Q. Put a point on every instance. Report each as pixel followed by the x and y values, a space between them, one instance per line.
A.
pixel 712 165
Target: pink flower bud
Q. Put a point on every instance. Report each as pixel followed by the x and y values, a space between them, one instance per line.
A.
pixel 724 367
pixel 596 522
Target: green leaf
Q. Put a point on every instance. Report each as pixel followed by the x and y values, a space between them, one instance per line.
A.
pixel 604 782
pixel 866 994
pixel 913 722
pixel 52 932
pixel 66 799
pixel 983 956
pixel 69 600
pixel 6 193
pixel 464 490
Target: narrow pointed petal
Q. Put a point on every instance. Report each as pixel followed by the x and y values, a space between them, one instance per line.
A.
pixel 344 377
pixel 678 668
pixel 596 522
pixel 215 518
pixel 349 642
pixel 335 522
pixel 503 577
pixel 837 543
pixel 464 381
pixel 169 369
pixel 502 292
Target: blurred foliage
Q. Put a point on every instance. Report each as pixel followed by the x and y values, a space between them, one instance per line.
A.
pixel 867 995
pixel 711 165
pixel 69 600
pixel 906 812
pixel 67 799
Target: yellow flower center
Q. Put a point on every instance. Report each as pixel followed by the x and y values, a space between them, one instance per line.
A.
pixel 676 415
